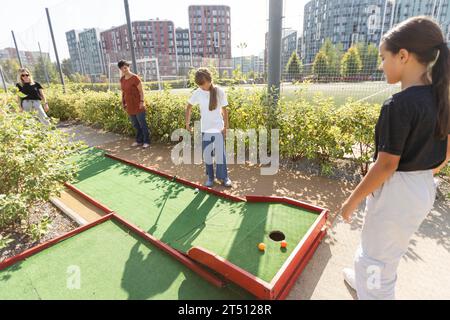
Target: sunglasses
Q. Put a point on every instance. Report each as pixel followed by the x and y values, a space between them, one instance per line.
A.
pixel 25 75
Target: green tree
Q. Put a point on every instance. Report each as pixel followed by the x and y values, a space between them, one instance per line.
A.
pixel 10 68
pixel 294 67
pixel 237 74
pixel 320 65
pixel 334 56
pixel 214 73
pixel 369 57
pixel 251 75
pixel 66 66
pixel 42 66
pixel 79 78
pixel 351 62
pixel 225 74
pixel 211 68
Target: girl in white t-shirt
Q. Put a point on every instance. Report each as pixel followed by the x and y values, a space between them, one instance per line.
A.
pixel 214 123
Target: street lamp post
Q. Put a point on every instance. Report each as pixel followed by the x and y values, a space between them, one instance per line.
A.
pixel 242 46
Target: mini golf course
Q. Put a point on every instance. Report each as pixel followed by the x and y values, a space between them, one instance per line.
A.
pixel 166 238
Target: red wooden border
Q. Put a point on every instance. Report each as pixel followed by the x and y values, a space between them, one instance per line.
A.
pixel 230 271
pixel 283 281
pixel 294 265
pixel 302 265
pixel 176 179
pixel 111 215
pixel 285 275
pixel 32 251
pixel 285 200
pixel 278 288
pixel 172 252
pixel 162 246
pixel 88 198
pixel 151 170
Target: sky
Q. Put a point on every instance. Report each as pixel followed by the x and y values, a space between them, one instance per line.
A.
pixel 29 21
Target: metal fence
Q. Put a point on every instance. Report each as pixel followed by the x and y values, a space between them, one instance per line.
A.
pixel 167 51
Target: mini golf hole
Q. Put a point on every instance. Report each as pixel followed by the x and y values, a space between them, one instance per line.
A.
pixel 277 236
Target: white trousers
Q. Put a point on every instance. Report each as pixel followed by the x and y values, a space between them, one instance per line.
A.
pixel 35 105
pixel 394 213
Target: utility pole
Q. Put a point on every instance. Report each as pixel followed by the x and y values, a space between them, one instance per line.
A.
pixel 394 9
pixel 45 65
pixel 56 50
pixel 17 49
pixel 130 37
pixel 108 61
pixel 275 30
pixel 2 75
pixel 242 46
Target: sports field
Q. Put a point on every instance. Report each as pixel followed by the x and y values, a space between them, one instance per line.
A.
pixel 369 91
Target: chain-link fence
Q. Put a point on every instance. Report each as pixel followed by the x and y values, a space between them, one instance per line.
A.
pixel 327 48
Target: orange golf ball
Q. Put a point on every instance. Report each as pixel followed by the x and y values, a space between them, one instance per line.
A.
pixel 284 244
pixel 262 247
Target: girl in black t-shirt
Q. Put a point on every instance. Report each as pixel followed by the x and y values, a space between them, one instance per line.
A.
pixel 412 144
pixel 31 95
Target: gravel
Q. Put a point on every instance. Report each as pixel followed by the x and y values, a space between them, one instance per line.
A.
pixel 60 225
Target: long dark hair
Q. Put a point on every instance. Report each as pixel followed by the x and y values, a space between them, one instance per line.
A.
pixel 204 75
pixel 423 37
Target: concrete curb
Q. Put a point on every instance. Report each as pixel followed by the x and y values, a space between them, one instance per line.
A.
pixel 69 212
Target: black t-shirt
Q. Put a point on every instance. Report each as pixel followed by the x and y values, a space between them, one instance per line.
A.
pixel 31 91
pixel 407 127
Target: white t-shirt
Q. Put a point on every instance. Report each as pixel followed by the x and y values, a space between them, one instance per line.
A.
pixel 211 121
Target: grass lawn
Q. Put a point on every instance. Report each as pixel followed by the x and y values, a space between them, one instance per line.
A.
pixel 372 92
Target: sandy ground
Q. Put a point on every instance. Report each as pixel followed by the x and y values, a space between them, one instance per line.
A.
pixel 423 271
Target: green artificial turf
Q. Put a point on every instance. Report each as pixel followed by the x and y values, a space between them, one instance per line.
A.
pixel 182 218
pixel 112 263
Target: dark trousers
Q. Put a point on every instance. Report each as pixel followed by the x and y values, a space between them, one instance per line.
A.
pixel 140 124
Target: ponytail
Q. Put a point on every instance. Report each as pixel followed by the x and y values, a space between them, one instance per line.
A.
pixel 212 98
pixel 441 88
pixel 202 76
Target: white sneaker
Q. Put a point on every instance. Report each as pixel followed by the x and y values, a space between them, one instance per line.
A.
pixel 227 183
pixel 136 144
pixel 349 277
pixel 145 146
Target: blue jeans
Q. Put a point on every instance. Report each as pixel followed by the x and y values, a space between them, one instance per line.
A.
pixel 214 145
pixel 140 124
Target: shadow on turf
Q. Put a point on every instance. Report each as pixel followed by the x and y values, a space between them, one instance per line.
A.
pixel 90 163
pixel 165 276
